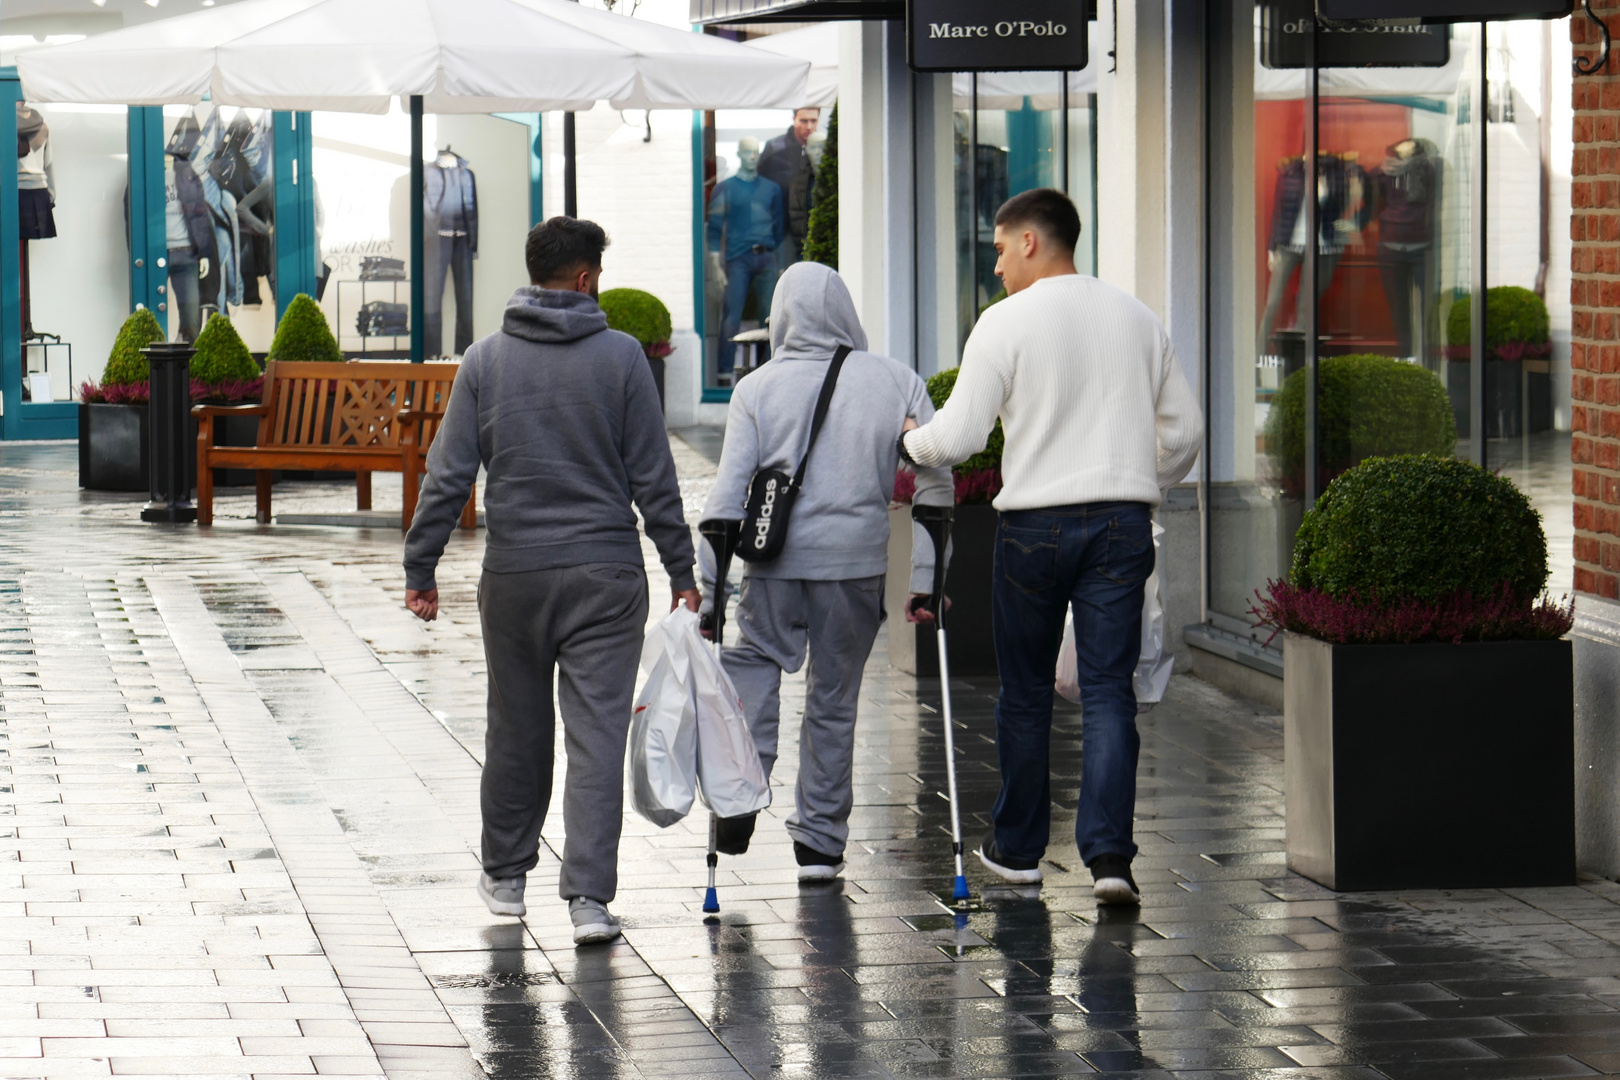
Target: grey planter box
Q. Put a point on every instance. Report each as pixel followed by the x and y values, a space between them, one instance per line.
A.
pixel 1431 766
pixel 913 649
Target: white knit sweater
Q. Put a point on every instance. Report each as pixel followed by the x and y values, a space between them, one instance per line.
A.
pixel 1093 401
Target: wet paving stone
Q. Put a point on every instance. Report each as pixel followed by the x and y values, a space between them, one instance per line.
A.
pixel 238 832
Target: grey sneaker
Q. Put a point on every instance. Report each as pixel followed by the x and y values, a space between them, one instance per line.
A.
pixel 503 896
pixel 592 923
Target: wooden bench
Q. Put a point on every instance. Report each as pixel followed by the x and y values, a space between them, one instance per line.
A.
pixel 357 417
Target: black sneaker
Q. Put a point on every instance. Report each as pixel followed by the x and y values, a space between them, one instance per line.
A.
pixel 731 834
pixel 1112 882
pixel 815 866
pixel 1017 871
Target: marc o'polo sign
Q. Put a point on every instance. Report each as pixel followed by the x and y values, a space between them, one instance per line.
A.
pixel 1285 40
pixel 1442 11
pixel 1005 35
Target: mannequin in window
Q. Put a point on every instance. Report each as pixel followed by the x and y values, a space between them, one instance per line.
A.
pixel 36 198
pixel 1341 211
pixel 234 169
pixel 746 225
pixel 193 249
pixel 1408 190
pixel 450 198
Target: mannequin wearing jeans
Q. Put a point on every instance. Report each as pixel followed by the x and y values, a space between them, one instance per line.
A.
pixel 1408 188
pixel 746 225
pixel 450 195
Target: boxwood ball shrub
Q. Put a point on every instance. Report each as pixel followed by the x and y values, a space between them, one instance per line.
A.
pixel 126 364
pixel 303 335
pixel 978 479
pixel 1513 316
pixel 221 355
pixel 641 315
pixel 1367 406
pixel 1418 548
pixel 1421 528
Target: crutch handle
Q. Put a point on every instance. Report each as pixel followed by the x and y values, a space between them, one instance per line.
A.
pixel 722 537
pixel 937 521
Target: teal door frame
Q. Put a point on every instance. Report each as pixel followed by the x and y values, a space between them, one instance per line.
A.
pixel 295 242
pixel 148 207
pixel 19 419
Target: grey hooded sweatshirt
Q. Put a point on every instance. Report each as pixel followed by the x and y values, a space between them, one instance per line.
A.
pixel 563 414
pixel 840 524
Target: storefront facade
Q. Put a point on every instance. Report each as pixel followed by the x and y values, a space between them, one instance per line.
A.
pixel 1442 161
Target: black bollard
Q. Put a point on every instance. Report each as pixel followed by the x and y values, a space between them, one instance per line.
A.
pixel 167 416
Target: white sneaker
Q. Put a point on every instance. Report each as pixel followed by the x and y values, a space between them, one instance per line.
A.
pixel 592 923
pixel 503 896
pixel 815 865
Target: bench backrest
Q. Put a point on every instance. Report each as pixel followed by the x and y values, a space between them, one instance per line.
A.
pixel 349 405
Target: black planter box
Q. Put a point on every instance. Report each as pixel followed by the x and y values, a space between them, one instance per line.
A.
pixel 915 650
pixel 1430 766
pixel 115 448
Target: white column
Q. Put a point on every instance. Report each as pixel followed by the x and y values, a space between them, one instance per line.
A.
pixel 861 189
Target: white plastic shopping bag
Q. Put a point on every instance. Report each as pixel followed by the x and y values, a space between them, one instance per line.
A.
pixel 663 729
pixel 731 779
pixel 1153 670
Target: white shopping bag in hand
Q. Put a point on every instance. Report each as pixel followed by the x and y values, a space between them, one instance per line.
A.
pixel 663 729
pixel 731 779
pixel 1153 669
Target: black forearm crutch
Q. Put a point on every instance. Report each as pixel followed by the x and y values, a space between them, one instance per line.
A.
pixel 722 537
pixel 937 521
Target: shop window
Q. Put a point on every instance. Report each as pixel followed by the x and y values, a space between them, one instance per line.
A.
pixel 1397 216
pixel 477 214
pixel 219 199
pixel 759 170
pixel 1015 132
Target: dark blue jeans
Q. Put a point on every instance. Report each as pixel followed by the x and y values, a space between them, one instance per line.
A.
pixel 1096 557
pixel 749 272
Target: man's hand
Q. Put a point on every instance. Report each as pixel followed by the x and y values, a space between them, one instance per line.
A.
pixel 424 603
pixel 917 613
pixel 693 598
pixel 911 425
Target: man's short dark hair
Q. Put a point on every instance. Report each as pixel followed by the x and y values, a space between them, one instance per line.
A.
pixel 1046 210
pixel 563 248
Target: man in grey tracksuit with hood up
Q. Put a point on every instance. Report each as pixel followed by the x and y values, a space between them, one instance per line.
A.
pixel 563 415
pixel 823 596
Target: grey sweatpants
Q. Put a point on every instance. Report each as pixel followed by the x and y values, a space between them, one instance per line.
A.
pixel 779 621
pixel 587 623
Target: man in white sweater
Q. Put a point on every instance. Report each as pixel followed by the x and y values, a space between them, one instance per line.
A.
pixel 1100 421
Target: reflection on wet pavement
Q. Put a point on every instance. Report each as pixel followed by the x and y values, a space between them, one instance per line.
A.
pixel 238 816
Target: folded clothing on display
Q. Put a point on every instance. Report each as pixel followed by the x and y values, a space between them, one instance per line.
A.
pixel 383 319
pixel 381 268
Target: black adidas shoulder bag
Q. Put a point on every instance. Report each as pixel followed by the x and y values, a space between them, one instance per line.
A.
pixel 772 492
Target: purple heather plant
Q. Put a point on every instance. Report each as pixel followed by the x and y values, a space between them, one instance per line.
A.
pixel 972 486
pixel 1352 620
pixel 232 392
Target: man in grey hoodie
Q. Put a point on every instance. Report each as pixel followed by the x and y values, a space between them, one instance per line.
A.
pixel 823 596
pixel 563 415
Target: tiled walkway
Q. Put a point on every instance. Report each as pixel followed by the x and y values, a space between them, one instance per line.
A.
pixel 237 826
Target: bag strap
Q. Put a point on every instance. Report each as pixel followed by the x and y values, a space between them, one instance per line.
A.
pixel 828 385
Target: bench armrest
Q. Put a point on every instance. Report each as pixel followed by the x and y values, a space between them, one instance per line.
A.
pixel 204 411
pixel 412 416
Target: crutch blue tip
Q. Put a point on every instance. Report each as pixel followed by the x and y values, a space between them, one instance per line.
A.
pixel 711 902
pixel 961 890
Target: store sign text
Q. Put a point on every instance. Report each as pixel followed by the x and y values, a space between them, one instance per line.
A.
pixel 1002 29
pixel 1291 34
pixel 1027 35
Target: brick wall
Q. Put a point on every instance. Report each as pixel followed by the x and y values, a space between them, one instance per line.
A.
pixel 1595 300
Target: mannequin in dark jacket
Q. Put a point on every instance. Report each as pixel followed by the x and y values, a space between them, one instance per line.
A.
pixel 450 200
pixel 1340 211
pixel 1408 194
